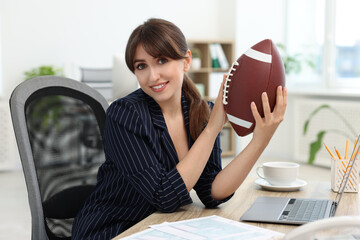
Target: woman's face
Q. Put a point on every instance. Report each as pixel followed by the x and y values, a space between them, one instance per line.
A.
pixel 161 78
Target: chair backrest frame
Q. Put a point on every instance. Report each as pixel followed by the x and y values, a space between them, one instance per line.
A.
pixel 18 101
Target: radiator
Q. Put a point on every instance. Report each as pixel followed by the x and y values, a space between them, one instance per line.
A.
pixel 326 120
pixel 9 157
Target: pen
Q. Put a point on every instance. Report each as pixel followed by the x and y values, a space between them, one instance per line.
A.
pixel 332 155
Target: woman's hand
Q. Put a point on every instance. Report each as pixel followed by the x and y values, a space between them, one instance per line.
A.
pixel 218 116
pixel 265 127
pixel 230 178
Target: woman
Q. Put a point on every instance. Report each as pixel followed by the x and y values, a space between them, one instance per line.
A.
pixel 161 141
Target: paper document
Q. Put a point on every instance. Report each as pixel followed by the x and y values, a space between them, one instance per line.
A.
pixel 212 227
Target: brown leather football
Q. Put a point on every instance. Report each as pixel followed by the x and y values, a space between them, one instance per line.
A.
pixel 260 69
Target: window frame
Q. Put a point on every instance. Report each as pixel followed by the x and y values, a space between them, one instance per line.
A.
pixel 328 78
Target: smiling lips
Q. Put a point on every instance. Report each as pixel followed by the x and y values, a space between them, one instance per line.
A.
pixel 159 87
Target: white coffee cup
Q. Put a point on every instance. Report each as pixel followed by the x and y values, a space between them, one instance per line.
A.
pixel 279 173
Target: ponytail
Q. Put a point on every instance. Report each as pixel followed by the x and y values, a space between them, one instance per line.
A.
pixel 199 110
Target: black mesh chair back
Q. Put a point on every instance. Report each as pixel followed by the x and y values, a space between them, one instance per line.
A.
pixel 58 124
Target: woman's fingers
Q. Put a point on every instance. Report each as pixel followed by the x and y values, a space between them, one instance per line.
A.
pixel 255 112
pixel 279 97
pixel 267 125
pixel 284 98
pixel 266 106
pixel 278 111
pixel 222 88
pixel 281 101
pixel 218 117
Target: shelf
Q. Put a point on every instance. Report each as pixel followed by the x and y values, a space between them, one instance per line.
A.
pixel 203 74
pixel 209 82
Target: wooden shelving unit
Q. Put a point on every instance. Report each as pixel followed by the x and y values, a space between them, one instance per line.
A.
pixel 203 76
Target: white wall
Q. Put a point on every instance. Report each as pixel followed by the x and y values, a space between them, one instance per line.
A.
pixel 257 20
pixel 90 32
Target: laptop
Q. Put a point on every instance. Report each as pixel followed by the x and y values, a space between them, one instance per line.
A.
pixel 298 211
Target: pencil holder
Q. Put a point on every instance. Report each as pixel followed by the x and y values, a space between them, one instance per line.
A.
pixel 338 168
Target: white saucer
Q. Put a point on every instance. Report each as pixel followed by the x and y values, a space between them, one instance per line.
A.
pixel 293 187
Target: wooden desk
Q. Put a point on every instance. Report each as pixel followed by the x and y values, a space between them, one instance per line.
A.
pixel 241 201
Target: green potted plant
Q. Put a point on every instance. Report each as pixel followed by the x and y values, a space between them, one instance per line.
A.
pixel 43 70
pixel 196 58
pixel 293 63
pixel 51 115
pixel 316 145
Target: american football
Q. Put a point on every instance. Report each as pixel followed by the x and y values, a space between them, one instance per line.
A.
pixel 260 69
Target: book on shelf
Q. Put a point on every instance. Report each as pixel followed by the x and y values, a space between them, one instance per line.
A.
pixel 214 56
pixel 224 64
pixel 218 57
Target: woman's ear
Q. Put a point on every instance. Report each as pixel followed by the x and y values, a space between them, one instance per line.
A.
pixel 187 61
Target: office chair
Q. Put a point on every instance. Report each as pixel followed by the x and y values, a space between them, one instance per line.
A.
pixel 342 227
pixel 58 124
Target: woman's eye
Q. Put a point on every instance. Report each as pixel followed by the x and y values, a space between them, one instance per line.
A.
pixel 163 60
pixel 140 66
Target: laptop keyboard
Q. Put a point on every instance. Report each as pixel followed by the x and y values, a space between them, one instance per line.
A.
pixel 304 210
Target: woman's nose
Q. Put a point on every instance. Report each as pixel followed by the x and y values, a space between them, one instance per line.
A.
pixel 154 74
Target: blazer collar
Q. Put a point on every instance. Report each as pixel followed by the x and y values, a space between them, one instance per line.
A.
pixel 158 117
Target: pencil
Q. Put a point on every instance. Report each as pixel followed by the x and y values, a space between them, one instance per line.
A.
pixel 347 149
pixel 344 171
pixel 337 152
pixel 332 155
pixel 354 153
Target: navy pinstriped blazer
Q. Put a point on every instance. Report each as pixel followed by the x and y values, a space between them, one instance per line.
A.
pixel 139 175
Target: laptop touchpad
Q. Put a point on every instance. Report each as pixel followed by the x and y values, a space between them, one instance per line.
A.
pixel 265 209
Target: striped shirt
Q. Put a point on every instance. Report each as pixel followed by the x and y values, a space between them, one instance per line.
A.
pixel 139 175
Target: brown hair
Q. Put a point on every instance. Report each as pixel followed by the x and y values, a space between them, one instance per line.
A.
pixel 161 38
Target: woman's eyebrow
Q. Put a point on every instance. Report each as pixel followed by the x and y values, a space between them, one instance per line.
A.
pixel 138 60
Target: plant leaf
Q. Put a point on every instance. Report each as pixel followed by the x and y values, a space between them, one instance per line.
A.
pixel 307 122
pixel 316 146
pixel 306 125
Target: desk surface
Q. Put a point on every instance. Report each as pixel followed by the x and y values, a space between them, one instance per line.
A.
pixel 241 201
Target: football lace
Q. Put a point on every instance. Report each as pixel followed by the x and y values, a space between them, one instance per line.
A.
pixel 227 81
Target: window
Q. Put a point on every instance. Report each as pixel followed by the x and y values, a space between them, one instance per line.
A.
pixel 324 37
pixel 347 42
